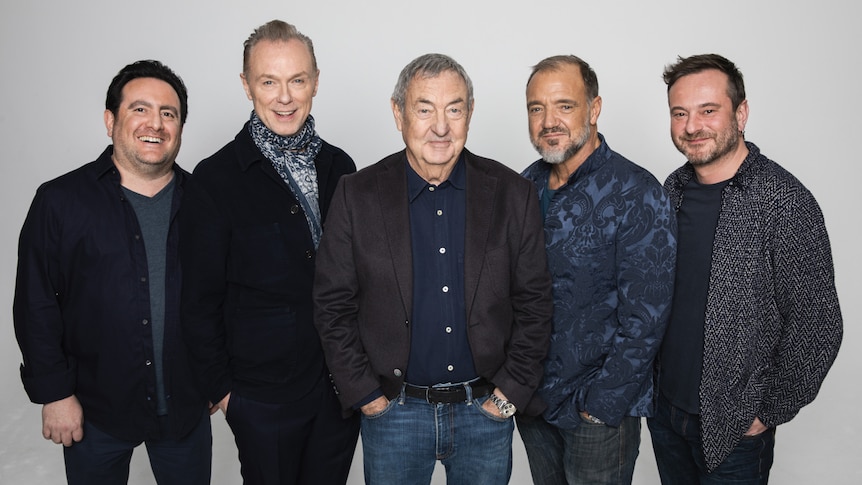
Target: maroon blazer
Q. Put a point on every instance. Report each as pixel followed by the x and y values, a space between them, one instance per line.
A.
pixel 363 286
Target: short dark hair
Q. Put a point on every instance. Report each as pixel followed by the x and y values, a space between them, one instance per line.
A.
pixel 143 69
pixel 275 31
pixel 555 63
pixel 429 66
pixel 703 62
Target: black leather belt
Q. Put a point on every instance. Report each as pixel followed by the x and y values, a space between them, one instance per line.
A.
pixel 449 394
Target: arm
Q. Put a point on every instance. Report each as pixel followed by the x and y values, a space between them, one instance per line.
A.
pixel 807 301
pixel 48 375
pixel 532 308
pixel 204 249
pixel 337 301
pixel 646 258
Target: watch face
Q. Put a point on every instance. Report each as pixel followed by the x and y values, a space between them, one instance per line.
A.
pixel 507 410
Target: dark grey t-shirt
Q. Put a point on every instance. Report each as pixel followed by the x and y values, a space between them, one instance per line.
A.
pixel 154 217
pixel 682 348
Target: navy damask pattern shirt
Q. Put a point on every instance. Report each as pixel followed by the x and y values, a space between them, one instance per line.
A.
pixel 610 235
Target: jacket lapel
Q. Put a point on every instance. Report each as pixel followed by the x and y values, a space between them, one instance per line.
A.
pixel 481 190
pixel 392 190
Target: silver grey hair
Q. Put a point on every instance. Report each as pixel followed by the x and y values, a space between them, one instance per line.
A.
pixel 429 66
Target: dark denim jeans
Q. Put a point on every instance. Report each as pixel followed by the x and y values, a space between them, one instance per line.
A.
pixel 401 444
pixel 679 453
pixel 589 454
pixel 100 458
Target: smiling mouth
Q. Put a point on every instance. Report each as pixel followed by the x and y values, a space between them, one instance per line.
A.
pixel 285 113
pixel 150 139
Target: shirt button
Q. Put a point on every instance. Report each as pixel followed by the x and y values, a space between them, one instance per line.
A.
pixel 149 363
pixel 445 289
pixel 448 329
pixel 439 212
pixel 143 279
pixel 309 254
pixel 145 321
pixel 431 188
pixel 294 209
pixel 397 372
pixel 137 236
pixel 450 368
pixel 442 250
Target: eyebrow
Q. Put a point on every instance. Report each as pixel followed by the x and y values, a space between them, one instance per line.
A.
pixel 703 105
pixel 556 101
pixel 147 104
pixel 450 103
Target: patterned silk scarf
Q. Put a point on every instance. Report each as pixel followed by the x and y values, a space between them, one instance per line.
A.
pixel 293 159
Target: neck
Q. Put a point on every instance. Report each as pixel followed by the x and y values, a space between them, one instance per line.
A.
pixel 146 184
pixel 561 172
pixel 433 174
pixel 723 168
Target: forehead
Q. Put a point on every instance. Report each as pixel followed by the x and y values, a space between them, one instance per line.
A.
pixel 444 87
pixel 565 82
pixel 708 86
pixel 150 89
pixel 269 55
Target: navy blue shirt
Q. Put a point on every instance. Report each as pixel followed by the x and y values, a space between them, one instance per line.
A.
pixel 439 349
pixel 82 308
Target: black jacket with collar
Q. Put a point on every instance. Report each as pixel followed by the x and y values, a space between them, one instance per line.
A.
pixel 249 259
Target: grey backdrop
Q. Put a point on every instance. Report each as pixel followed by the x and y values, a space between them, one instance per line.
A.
pixel 801 62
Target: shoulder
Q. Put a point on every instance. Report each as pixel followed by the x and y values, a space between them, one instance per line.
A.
pixel 478 165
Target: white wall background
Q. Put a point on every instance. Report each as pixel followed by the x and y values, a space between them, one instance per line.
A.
pixel 801 61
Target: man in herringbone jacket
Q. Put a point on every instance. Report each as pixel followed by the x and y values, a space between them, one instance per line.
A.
pixel 755 322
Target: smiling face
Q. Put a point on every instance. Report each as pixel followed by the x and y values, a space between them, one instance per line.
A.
pixel 561 118
pixel 146 131
pixel 703 124
pixel 281 82
pixel 434 122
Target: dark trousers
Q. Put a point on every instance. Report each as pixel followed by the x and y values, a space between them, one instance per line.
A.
pixel 678 450
pixel 102 459
pixel 297 443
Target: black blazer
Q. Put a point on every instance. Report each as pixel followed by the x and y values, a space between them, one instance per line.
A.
pixel 363 285
pixel 248 266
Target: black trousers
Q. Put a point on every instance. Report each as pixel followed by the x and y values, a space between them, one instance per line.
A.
pixel 298 443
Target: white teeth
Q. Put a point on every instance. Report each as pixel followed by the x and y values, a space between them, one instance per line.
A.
pixel 150 139
pixel 284 113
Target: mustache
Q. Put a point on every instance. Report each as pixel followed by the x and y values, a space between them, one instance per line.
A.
pixel 697 136
pixel 556 129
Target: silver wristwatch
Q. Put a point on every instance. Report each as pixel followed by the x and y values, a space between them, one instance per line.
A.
pixel 507 409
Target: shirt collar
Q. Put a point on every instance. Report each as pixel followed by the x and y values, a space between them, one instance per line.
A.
pixel 416 184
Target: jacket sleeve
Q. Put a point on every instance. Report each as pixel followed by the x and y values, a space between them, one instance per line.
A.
pixel 532 308
pixel 337 301
pixel 48 375
pixel 807 301
pixel 645 268
pixel 204 251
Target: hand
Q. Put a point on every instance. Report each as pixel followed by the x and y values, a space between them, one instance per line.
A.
pixel 492 408
pixel 376 406
pixel 756 428
pixel 221 405
pixel 63 421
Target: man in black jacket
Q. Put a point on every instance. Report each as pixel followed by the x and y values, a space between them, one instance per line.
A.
pixel 97 297
pixel 251 224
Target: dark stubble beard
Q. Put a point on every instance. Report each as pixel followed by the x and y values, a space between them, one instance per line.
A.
pixel 725 142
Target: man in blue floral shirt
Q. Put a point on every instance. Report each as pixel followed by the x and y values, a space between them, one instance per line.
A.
pixel 610 235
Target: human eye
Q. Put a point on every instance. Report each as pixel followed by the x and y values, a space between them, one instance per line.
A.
pixel 455 113
pixel 169 114
pixel 424 112
pixel 298 81
pixel 565 108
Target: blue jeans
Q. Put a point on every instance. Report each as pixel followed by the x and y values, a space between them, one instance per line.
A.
pixel 588 454
pixel 101 458
pixel 402 443
pixel 679 452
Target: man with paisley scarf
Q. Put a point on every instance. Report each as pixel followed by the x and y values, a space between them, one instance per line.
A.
pixel 251 228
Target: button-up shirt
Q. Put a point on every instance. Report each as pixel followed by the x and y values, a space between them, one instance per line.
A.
pixel 82 307
pixel 439 349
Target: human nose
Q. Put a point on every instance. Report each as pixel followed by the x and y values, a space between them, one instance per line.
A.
pixel 284 96
pixel 441 123
pixel 549 119
pixel 693 123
